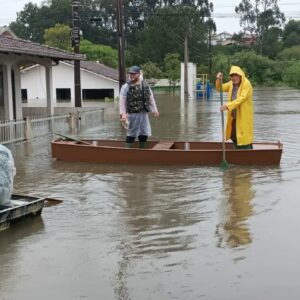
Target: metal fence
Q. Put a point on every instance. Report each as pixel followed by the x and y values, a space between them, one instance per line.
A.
pixel 12 131
pixel 92 118
pixel 32 127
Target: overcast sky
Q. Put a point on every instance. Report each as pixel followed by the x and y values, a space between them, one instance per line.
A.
pixel 227 20
pixel 224 15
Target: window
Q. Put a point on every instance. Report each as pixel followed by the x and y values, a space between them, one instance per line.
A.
pixel 97 94
pixel 63 95
pixel 24 95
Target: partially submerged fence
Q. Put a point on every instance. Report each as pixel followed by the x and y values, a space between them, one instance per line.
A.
pixel 32 127
pixel 12 131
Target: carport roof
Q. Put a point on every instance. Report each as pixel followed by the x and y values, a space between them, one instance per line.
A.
pixel 19 46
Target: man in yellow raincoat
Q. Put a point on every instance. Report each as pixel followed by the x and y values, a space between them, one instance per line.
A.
pixel 239 123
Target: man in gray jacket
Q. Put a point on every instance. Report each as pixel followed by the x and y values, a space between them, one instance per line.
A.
pixel 136 101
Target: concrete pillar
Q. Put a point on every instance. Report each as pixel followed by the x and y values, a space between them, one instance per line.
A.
pixel 1 88
pixel 28 129
pixel 192 74
pixel 8 94
pixel 49 90
pixel 18 94
pixel 72 121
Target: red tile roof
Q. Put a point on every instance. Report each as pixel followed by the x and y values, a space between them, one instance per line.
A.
pixel 19 46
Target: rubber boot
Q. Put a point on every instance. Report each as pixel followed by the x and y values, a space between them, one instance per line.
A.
pixel 142 145
pixel 128 145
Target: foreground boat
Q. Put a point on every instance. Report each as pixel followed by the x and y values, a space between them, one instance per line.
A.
pixel 21 207
pixel 164 152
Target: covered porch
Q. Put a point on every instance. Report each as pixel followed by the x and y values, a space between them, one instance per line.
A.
pixel 15 54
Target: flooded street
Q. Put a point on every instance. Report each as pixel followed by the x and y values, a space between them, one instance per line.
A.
pixel 153 232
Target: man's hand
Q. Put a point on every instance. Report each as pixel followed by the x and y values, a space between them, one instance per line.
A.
pixel 220 75
pixel 123 117
pixel 156 114
pixel 223 108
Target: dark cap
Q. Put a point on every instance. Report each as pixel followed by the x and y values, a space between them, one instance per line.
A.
pixel 134 70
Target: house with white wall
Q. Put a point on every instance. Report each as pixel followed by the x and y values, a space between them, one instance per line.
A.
pixel 97 83
pixel 221 38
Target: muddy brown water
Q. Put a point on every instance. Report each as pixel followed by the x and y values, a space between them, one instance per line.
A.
pixel 153 232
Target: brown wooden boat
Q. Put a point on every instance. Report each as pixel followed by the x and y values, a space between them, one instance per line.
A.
pixel 164 152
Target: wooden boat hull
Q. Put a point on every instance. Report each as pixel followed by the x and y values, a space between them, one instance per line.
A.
pixel 21 207
pixel 164 153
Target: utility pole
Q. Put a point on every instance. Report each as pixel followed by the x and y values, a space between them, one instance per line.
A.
pixel 210 54
pixel 121 46
pixel 186 59
pixel 76 45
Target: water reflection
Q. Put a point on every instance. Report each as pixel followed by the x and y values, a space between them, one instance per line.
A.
pixel 19 231
pixel 155 220
pixel 236 208
pixel 10 240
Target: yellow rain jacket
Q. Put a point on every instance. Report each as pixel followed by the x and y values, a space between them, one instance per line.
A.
pixel 244 106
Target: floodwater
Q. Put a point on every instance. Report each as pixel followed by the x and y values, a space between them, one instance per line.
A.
pixel 153 232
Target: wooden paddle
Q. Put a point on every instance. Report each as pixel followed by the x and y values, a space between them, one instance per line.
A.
pixel 224 164
pixel 52 201
pixel 49 201
pixel 73 139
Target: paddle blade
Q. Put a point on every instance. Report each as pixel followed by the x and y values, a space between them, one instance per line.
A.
pixel 51 202
pixel 224 165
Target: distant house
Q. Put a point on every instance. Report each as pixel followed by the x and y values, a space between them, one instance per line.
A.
pixel 4 30
pixel 249 39
pixel 221 39
pixel 97 83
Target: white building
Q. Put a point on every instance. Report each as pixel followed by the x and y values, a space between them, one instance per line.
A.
pixel 221 38
pixel 97 83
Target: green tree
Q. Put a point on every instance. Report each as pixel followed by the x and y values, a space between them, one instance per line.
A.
pixel 291 34
pixel 172 68
pixel 138 12
pixel 290 54
pixel 151 70
pixel 272 44
pixel 221 63
pixel 58 36
pixel 33 20
pixel 292 75
pixel 258 16
pixel 260 69
pixel 98 21
pixel 166 30
pixel 26 26
pixel 104 54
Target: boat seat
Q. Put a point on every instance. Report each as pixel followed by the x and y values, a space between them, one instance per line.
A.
pixel 18 202
pixel 265 146
pixel 163 146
